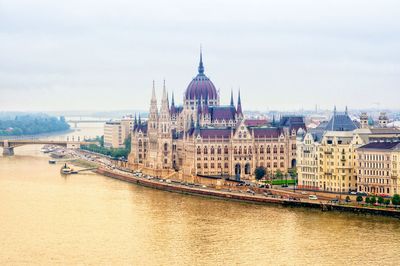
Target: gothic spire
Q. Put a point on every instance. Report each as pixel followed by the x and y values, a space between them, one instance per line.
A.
pixel 239 105
pixel 153 92
pixel 164 91
pixel 172 100
pixel 139 120
pixel 232 104
pixel 201 67
pixel 135 123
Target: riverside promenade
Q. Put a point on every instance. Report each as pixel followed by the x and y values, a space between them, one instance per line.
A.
pixel 245 197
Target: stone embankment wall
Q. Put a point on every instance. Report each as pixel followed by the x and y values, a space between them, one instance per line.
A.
pixel 260 199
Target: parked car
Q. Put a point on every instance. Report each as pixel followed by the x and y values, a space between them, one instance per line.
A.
pixel 353 192
pixel 312 197
pixel 361 194
pixel 284 185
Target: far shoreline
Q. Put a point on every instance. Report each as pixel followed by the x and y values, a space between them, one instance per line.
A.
pixel 44 134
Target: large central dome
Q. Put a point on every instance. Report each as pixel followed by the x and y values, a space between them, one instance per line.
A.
pixel 201 87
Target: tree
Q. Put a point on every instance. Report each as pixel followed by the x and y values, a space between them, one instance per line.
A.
pixel 293 172
pixel 372 200
pixel 348 199
pixel 278 174
pixel 387 202
pixel 396 199
pixel 259 172
pixel 359 198
pixel 367 200
pixel 381 200
pixel 127 143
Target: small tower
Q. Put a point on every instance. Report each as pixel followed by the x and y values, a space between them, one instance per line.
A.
pixel 239 108
pixel 164 120
pixel 164 158
pixel 364 120
pixel 383 119
pixel 152 131
pixel 153 113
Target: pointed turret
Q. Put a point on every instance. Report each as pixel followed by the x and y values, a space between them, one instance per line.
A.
pixel 139 121
pixel 346 111
pixel 153 113
pixel 172 109
pixel 164 100
pixel 232 103
pixel 201 66
pixel 135 124
pixel 153 93
pixel 205 106
pixel 164 116
pixel 239 106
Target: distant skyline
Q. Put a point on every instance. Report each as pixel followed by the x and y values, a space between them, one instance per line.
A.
pixel 283 55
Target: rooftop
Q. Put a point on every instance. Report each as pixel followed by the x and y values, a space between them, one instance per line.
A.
pixel 382 145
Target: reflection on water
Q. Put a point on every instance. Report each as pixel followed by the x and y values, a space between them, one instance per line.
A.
pixel 90 219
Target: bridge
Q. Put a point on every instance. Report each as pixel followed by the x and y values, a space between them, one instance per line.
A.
pixel 77 121
pixel 9 145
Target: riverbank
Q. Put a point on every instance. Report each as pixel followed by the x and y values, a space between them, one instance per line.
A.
pixel 107 167
pixel 241 196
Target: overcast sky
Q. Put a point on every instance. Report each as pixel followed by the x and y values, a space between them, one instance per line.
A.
pixel 283 54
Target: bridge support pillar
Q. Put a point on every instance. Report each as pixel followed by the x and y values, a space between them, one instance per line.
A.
pixel 8 151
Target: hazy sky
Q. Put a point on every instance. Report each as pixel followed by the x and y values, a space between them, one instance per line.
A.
pixel 283 54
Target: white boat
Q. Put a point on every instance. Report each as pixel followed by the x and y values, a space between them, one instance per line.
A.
pixel 66 170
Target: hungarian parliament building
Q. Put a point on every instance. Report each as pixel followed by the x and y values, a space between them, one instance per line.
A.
pixel 202 137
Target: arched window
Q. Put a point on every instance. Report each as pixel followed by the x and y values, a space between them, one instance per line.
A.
pixel 245 150
pixel 212 150
pixel 262 149
pixel 281 149
pixel 268 149
pixel 250 150
pixel 226 150
pixel 247 169
pixel 219 150
pixel 240 150
pixel 165 147
pixel 205 150
pixel 140 143
pixel 198 150
pixel 235 150
pixel 275 150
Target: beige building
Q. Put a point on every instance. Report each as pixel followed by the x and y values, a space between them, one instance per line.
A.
pixel 114 134
pixel 127 124
pixel 203 137
pixel 378 168
pixel 326 156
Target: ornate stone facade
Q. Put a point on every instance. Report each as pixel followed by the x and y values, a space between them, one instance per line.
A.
pixel 202 137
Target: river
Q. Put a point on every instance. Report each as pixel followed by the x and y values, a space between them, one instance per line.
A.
pixel 48 219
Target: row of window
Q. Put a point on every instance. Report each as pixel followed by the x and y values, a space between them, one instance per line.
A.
pixel 374 172
pixel 241 150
